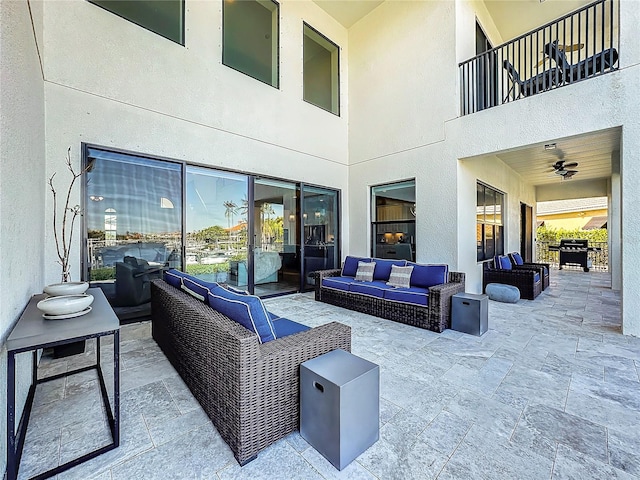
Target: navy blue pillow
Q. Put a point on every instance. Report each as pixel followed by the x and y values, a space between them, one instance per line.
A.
pixel 517 258
pixel 426 276
pixel 192 285
pixel 350 266
pixel 504 263
pixel 247 310
pixel 383 268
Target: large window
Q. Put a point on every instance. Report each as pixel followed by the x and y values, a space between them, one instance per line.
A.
pixel 393 220
pixel 250 38
pixel 164 17
pixel 489 227
pixel 321 66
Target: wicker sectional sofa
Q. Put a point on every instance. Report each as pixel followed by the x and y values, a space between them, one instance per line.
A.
pixel 425 304
pixel 248 388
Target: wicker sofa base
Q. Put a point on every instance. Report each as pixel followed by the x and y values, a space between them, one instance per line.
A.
pixel 435 317
pixel 250 391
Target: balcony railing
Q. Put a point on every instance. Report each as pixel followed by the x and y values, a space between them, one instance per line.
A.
pixel 580 45
pixel 599 258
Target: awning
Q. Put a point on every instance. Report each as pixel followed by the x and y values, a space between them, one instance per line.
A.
pixel 596 222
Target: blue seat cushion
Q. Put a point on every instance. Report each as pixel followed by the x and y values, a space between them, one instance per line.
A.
pixel 425 276
pixel 350 266
pixel 338 283
pixel 413 295
pixel 285 327
pixel 247 310
pixel 517 258
pixel 192 285
pixel 383 268
pixel 374 289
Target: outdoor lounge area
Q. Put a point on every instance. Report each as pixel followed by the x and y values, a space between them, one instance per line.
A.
pixel 550 391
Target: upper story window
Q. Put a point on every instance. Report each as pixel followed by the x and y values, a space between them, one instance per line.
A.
pixel 164 17
pixel 321 67
pixel 490 228
pixel 250 38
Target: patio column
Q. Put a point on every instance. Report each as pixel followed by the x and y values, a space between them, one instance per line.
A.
pixel 630 228
pixel 613 224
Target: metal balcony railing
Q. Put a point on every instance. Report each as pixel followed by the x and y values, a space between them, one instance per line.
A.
pixel 580 45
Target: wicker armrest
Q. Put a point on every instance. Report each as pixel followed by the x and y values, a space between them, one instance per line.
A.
pixel 319 275
pixel 440 302
pixel 330 336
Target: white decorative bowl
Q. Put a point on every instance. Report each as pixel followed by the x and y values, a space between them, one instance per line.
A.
pixel 66 288
pixel 65 304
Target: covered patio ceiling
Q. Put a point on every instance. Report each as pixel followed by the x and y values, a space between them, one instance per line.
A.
pixel 592 152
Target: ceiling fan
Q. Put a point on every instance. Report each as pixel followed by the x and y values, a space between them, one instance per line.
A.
pixel 565 170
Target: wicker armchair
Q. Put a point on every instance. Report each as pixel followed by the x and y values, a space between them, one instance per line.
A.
pixel 541 268
pixel 529 282
pixel 250 391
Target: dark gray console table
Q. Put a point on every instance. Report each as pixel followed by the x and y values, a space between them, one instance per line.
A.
pixel 33 332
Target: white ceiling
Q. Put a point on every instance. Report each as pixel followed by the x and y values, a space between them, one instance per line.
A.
pixel 591 151
pixel 348 12
pixel 516 17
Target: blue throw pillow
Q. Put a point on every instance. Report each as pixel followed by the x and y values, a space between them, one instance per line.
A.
pixel 517 258
pixel 504 263
pixel 350 266
pixel 426 276
pixel 247 310
pixel 192 285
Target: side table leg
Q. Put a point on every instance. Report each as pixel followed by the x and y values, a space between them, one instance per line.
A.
pixel 116 387
pixel 12 467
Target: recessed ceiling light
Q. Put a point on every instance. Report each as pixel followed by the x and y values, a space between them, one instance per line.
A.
pixel 550 146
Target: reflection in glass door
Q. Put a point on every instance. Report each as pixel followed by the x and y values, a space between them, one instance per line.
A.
pixel 276 245
pixel 320 219
pixel 216 213
pixel 133 221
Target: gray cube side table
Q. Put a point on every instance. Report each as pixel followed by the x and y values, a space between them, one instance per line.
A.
pixel 470 313
pixel 340 405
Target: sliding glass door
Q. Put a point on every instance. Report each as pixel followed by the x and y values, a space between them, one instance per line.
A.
pixel 143 216
pixel 276 245
pixel 320 222
pixel 133 225
pixel 216 225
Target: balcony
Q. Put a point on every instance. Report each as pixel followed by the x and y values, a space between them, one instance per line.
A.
pixel 578 46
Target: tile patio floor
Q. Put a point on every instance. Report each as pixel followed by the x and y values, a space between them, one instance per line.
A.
pixel 552 390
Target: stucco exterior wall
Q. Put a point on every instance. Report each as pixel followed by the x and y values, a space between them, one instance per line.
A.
pixel 22 184
pixel 141 92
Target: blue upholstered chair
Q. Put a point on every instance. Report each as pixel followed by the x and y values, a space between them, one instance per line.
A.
pixel 543 268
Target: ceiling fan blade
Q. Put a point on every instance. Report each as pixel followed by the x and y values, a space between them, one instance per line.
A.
pixel 570 173
pixel 570 165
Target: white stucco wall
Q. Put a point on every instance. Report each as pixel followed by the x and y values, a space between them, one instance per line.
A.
pixel 140 92
pixel 22 184
pixel 491 171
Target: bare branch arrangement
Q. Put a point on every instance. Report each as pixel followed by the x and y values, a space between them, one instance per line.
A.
pixel 63 239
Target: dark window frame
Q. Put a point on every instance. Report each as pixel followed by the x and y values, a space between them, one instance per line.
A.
pixel 182 22
pixel 339 50
pixel 277 65
pixel 489 234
